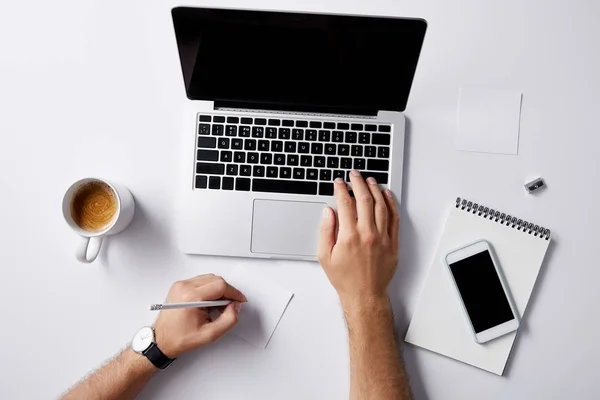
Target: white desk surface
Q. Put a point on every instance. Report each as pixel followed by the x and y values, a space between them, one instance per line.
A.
pixel 93 88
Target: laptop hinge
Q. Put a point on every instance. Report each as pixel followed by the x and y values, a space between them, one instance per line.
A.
pixel 342 112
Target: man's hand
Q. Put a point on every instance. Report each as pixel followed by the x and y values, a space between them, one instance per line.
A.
pixel 361 262
pixel 182 330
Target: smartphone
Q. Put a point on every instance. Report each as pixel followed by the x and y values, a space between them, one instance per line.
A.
pixel 482 291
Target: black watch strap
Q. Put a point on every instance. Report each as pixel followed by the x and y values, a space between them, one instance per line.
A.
pixel 157 357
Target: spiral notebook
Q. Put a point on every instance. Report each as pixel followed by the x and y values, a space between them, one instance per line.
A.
pixel 438 323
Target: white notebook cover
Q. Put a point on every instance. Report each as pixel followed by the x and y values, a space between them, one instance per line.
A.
pixel 439 324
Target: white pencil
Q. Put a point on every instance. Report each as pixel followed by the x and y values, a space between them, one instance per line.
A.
pixel 193 304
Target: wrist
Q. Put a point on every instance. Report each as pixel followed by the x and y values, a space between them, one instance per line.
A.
pixel 361 306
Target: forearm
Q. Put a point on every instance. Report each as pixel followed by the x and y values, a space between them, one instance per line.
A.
pixel 376 367
pixel 122 378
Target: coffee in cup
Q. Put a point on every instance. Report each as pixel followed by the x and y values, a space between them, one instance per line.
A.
pixel 94 206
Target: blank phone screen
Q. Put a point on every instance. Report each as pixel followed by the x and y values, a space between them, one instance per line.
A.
pixel 481 291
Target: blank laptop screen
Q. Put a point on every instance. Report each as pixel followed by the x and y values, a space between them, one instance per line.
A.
pixel 305 62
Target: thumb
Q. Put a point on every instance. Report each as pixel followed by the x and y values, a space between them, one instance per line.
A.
pixel 326 234
pixel 223 324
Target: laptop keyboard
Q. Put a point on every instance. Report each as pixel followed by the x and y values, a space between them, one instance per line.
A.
pixel 287 155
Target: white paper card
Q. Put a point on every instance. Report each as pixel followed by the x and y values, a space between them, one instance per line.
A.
pixel 267 302
pixel 488 121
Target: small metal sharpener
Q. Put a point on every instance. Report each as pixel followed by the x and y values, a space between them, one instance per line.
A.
pixel 535 185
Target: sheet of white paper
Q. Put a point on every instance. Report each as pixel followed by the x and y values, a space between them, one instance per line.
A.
pixel 488 121
pixel 267 302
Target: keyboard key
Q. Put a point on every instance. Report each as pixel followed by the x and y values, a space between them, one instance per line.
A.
pixel 279 159
pixel 324 136
pixel 244 131
pixel 205 118
pixel 333 162
pixel 239 157
pixel 285 172
pixel 364 138
pixel 319 161
pixel 315 124
pixel 260 121
pixel 311 135
pixel 271 172
pixel 207 155
pixel 245 170
pixel 338 136
pixel 325 189
pixel 357 127
pixel 306 161
pixel 246 120
pixel 343 150
pixel 292 159
pixel 287 122
pixel 252 158
pixel 250 144
pixel 302 124
pixel 266 158
pixel 219 118
pixel 330 148
pixel 284 133
pixel 350 137
pixel 359 164
pixel 369 151
pixel 217 130
pixel 223 143
pixel 312 174
pixel 346 163
pixel 316 148
pixel 237 144
pixel 227 183
pixel 357 151
pixel 271 133
pixel 339 174
pixel 298 134
pixel 226 156
pixel 298 173
pixel 258 170
pixel 371 128
pixel 258 131
pixel 290 147
pixel 207 142
pixel 274 122
pixel 385 128
pixel 232 169
pixel 382 139
pixel 233 120
pixel 304 147
pixel 242 184
pixel 277 186
pixel 203 129
pixel 201 182
pixel 263 145
pixel 378 165
pixel 379 176
pixel 383 152
pixel 210 168
pixel 329 125
pixel 214 182
pixel 230 130
pixel 343 125
pixel 277 146
pixel 325 175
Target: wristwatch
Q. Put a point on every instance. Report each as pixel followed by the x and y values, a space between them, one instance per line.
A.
pixel 143 343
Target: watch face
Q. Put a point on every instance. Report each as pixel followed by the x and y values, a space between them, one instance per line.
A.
pixel 143 339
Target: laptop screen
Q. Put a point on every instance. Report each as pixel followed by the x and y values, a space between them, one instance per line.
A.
pixel 297 62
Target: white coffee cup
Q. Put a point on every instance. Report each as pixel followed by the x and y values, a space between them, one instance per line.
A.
pixel 91 243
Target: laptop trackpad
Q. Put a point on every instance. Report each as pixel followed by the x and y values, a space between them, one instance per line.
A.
pixel 286 227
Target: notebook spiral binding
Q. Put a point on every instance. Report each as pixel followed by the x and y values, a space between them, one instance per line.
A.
pixel 503 218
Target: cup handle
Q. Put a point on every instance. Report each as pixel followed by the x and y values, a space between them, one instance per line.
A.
pixel 89 248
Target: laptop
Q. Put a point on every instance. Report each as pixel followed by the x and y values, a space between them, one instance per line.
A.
pixel 278 106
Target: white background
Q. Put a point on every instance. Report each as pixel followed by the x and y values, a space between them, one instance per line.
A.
pixel 93 88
